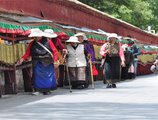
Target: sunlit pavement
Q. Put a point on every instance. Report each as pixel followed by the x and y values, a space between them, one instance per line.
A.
pixel 131 100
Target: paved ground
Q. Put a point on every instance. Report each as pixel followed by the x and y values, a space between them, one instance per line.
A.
pixel 131 100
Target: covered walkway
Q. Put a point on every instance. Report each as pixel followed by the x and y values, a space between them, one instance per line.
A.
pixel 133 100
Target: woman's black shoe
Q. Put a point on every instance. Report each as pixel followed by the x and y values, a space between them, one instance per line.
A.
pixel 80 87
pixel 46 93
pixel 113 85
pixel 109 86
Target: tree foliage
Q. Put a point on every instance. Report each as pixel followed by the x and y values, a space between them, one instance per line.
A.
pixel 141 13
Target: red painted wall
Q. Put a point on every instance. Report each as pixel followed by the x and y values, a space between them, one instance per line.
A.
pixel 70 13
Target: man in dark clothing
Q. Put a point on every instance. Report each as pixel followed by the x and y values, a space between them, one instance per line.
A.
pixel 128 61
pixel 136 51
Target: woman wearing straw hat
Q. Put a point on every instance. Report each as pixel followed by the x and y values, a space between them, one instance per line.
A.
pixel 56 39
pixel 114 56
pixel 76 63
pixel 90 53
pixel 43 53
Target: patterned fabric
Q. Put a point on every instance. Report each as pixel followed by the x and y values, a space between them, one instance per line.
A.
pixel 77 73
pixel 114 49
pixel 104 48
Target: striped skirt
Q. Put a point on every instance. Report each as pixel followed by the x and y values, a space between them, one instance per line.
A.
pixel 77 76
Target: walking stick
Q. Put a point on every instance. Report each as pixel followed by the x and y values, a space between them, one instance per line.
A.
pixel 67 71
pixel 91 71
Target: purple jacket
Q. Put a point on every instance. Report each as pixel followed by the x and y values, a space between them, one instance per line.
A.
pixel 89 49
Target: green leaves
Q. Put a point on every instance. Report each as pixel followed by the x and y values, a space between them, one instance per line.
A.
pixel 140 13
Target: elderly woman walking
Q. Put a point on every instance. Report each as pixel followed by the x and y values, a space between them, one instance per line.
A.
pixel 114 56
pixel 43 54
pixel 89 50
pixel 76 63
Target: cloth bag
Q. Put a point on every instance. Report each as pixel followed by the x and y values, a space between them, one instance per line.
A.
pixel 94 70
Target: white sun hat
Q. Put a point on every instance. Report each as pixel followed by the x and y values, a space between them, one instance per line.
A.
pixel 36 32
pixel 112 35
pixel 81 34
pixel 49 33
pixel 73 39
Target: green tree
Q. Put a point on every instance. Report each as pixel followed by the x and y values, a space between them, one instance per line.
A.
pixel 154 6
pixel 136 12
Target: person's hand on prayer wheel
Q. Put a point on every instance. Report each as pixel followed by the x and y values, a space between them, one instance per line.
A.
pixel 89 58
pixel 56 64
pixel 20 61
pixel 65 51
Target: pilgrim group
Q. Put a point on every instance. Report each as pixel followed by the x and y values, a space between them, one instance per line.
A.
pixel 78 55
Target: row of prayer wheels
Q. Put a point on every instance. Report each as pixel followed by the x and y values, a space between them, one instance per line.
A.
pixel 10 54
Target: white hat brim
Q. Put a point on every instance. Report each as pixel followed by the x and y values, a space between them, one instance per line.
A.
pixel 50 35
pixel 72 41
pixel 112 35
pixel 35 35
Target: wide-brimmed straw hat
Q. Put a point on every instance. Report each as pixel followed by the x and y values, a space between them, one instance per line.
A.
pixel 73 39
pixel 36 32
pixel 81 34
pixel 49 33
pixel 112 35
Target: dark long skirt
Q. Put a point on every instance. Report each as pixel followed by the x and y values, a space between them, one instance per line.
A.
pixel 44 77
pixel 112 68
